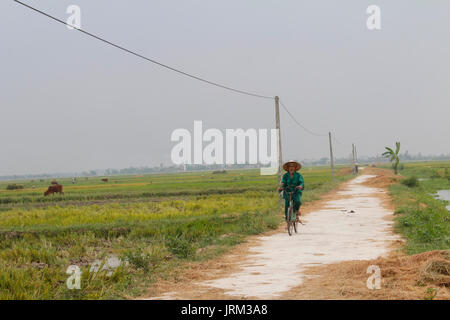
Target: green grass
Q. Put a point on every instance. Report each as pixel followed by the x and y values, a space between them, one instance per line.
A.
pixel 156 223
pixel 422 219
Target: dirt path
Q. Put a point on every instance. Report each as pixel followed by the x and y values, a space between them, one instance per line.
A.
pixel 351 224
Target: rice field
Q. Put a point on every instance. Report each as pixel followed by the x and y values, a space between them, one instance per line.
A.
pixel 123 235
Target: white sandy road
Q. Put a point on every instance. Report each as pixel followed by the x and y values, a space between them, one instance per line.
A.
pixel 353 227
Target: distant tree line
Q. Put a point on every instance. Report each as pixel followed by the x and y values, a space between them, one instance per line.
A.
pixel 379 158
pixel 173 168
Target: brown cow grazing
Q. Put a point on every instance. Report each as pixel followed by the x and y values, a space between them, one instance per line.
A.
pixel 105 180
pixel 54 189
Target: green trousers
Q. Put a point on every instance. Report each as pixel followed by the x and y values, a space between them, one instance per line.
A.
pixel 297 203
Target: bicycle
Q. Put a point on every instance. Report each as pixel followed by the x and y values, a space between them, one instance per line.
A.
pixel 292 221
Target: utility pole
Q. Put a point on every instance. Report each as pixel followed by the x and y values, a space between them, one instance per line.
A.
pixel 331 157
pixel 277 118
pixel 353 158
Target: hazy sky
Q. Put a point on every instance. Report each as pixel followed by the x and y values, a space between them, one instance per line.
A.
pixel 70 103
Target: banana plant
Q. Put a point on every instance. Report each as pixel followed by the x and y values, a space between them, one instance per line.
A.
pixel 393 156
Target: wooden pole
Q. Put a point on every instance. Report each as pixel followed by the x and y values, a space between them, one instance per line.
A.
pixel 277 119
pixel 353 158
pixel 331 157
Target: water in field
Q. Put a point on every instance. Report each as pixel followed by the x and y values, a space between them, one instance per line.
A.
pixel 444 195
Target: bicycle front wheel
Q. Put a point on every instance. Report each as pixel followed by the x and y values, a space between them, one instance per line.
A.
pixel 295 223
pixel 289 221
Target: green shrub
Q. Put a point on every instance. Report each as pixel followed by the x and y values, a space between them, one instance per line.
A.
pixel 410 182
pixel 14 186
pixel 430 294
pixel 180 246
pixel 435 175
pixel 138 259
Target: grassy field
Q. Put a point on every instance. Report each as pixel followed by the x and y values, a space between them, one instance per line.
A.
pixel 422 219
pixel 152 223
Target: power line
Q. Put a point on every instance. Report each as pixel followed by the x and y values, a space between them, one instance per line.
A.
pixel 300 125
pixel 175 69
pixel 336 140
pixel 306 129
pixel 145 58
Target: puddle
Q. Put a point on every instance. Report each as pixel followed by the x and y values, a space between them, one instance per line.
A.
pixel 444 195
pixel 345 229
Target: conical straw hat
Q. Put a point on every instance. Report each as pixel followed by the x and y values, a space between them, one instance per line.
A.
pixel 297 165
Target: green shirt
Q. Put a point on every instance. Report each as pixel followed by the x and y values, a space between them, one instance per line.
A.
pixel 292 182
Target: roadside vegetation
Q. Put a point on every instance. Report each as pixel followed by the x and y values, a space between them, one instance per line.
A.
pixel 151 224
pixel 421 218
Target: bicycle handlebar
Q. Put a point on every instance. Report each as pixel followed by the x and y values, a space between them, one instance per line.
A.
pixel 288 189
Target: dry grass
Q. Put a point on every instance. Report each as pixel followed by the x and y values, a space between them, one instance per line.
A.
pixel 436 272
pixel 402 277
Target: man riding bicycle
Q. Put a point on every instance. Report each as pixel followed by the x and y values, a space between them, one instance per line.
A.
pixel 292 182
